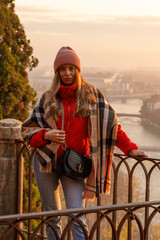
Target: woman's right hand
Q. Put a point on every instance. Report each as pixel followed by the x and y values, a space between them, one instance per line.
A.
pixel 55 135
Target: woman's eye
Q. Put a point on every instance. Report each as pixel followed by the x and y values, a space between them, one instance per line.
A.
pixel 72 68
pixel 62 69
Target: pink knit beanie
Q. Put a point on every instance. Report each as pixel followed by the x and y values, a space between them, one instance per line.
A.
pixel 66 55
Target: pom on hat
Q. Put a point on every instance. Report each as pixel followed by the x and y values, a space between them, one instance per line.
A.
pixel 66 55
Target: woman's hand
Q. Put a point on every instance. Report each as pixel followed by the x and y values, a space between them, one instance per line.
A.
pixel 55 135
pixel 137 153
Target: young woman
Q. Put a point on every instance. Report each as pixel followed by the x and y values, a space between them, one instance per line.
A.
pixel 73 114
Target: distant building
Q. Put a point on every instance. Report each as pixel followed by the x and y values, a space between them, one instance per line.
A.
pixel 152 106
pixel 150 111
pixel 119 84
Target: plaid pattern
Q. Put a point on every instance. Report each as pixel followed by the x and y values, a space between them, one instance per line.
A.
pixel 102 128
pixel 41 118
pixel 103 135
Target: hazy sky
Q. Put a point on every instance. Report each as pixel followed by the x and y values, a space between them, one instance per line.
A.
pixel 105 33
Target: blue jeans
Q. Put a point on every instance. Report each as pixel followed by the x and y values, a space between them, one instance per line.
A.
pixel 48 185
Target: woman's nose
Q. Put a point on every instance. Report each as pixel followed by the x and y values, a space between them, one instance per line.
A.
pixel 67 71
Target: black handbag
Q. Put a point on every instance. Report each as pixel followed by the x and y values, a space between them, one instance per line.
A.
pixel 74 165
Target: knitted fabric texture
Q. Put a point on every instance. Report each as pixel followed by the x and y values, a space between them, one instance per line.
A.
pixel 102 129
pixel 66 55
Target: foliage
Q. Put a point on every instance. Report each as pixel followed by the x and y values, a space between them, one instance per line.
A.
pixel 16 57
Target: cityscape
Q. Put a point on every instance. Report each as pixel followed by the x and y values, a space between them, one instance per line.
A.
pixel 134 84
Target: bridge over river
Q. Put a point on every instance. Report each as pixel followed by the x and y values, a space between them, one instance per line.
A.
pixel 129 115
pixel 123 97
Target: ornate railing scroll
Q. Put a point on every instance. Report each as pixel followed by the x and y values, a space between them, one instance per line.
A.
pixel 148 167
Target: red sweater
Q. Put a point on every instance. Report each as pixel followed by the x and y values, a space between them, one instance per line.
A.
pixel 78 132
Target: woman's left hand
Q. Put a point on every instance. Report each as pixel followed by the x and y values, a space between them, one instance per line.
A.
pixel 137 153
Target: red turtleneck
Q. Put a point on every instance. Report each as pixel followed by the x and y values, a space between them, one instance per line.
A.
pixel 77 128
pixel 77 132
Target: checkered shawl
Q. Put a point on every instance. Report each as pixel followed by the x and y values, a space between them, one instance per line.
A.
pixel 41 118
pixel 102 128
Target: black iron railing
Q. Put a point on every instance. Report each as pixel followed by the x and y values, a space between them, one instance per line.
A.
pixel 130 214
pixel 131 211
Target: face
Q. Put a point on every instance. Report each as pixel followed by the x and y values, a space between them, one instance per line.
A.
pixel 67 74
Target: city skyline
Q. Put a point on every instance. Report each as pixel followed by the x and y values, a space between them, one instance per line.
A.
pixel 118 34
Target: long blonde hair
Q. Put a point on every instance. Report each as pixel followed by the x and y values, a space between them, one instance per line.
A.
pixel 85 94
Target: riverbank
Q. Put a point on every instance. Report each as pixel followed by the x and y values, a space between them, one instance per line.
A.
pixel 151 126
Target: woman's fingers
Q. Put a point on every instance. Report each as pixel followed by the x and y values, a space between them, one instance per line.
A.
pixel 55 135
pixel 137 153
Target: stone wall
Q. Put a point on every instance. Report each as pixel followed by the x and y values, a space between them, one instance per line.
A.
pixel 9 168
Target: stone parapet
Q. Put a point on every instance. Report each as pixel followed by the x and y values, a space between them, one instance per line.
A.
pixel 10 132
pixel 10 129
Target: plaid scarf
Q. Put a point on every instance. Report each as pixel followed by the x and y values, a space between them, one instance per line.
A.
pixel 102 128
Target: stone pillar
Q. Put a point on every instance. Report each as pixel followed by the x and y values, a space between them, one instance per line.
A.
pixel 10 169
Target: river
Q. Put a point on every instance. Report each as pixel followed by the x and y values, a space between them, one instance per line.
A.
pixel 139 134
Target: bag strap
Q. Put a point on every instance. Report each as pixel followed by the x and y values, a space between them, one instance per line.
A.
pixel 64 145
